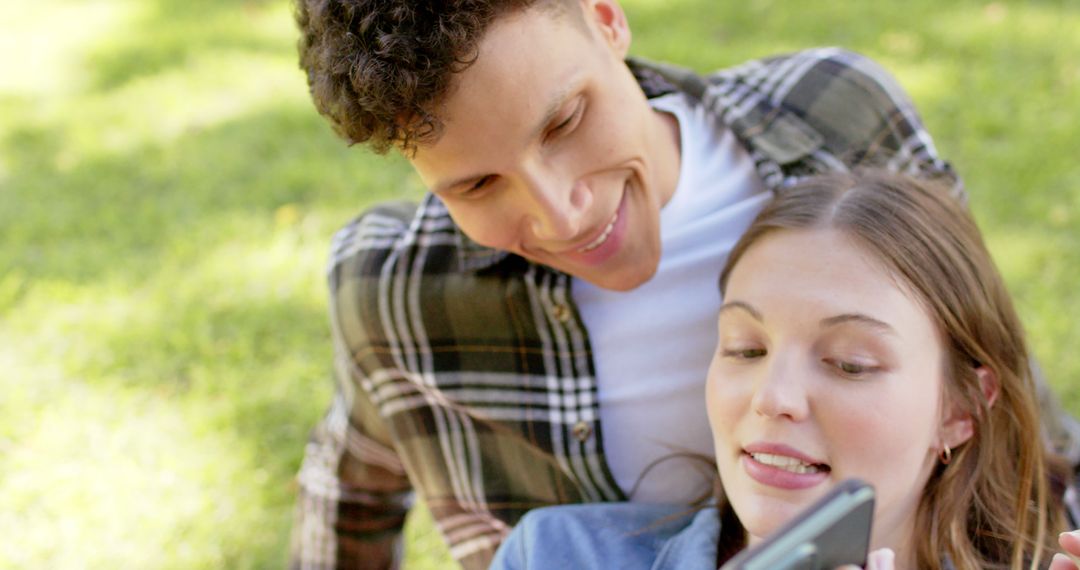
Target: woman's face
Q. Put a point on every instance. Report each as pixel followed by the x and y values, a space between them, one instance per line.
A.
pixel 826 369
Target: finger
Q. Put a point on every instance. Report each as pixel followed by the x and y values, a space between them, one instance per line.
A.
pixel 881 559
pixel 1061 562
pixel 1070 541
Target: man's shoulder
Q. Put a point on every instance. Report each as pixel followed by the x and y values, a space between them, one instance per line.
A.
pixel 795 79
pixel 384 228
pixel 375 232
pixel 828 60
pixel 812 75
pixel 825 102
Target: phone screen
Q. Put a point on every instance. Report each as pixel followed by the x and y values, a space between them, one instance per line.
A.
pixel 832 532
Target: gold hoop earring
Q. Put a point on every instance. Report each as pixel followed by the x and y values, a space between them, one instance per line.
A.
pixel 946 454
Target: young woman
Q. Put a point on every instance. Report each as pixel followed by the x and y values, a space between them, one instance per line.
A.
pixel 865 332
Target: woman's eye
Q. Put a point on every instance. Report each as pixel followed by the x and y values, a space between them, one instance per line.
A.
pixel 853 369
pixel 744 353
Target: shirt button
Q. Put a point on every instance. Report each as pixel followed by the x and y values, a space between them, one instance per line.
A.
pixel 582 430
pixel 561 313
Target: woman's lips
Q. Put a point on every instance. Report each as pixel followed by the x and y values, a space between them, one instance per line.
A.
pixel 786 463
pixel 780 466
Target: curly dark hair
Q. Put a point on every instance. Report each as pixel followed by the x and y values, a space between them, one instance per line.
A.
pixel 377 69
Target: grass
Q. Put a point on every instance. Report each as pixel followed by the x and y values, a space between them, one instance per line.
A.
pixel 167 194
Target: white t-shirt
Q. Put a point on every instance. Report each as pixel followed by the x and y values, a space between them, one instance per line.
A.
pixel 652 345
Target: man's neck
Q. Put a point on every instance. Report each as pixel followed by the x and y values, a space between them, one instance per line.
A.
pixel 668 148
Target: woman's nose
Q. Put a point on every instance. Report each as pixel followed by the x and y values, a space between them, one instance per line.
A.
pixel 782 390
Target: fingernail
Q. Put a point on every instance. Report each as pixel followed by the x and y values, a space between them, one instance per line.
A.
pixel 1068 555
pixel 883 558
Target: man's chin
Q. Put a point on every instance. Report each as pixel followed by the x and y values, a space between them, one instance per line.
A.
pixel 623 277
pixel 621 281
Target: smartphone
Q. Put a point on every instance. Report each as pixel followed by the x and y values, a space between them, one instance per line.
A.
pixel 832 532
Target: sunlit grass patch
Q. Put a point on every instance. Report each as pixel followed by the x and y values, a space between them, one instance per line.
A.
pixel 159 410
pixel 211 89
pixel 42 40
pixel 115 480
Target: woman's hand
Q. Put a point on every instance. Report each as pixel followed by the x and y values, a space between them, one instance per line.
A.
pixel 880 559
pixel 883 559
pixel 1070 543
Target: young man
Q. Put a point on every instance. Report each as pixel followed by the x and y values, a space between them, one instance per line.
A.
pixel 538 329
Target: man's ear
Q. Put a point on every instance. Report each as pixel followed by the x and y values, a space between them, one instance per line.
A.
pixel 959 425
pixel 609 20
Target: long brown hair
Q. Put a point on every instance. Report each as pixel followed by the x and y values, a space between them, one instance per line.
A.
pixel 990 506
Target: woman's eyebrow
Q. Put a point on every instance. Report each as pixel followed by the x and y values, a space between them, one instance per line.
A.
pixel 860 319
pixel 732 305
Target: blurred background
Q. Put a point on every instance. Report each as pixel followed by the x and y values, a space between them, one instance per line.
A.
pixel 167 195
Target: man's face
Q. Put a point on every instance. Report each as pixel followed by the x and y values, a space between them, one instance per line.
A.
pixel 551 151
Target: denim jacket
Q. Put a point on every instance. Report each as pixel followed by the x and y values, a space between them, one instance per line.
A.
pixel 627 536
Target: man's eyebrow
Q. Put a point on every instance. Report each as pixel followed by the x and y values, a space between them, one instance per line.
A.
pixel 858 318
pixel 731 305
pixel 555 104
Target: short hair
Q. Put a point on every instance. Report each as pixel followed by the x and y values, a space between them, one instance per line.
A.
pixel 991 506
pixel 378 69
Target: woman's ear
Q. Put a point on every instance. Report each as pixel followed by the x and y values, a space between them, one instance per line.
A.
pixel 988 382
pixel 959 425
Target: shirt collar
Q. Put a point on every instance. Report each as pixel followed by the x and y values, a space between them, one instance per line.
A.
pixel 695 546
pixel 765 125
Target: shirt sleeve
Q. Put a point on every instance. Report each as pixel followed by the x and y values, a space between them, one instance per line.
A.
pixel 354 492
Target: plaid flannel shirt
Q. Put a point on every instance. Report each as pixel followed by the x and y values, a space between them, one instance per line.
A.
pixel 465 373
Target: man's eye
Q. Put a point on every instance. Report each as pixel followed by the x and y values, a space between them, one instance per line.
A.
pixel 568 123
pixel 563 124
pixel 476 188
pixel 480 183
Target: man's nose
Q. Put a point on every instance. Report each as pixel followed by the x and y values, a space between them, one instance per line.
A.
pixel 557 206
pixel 781 390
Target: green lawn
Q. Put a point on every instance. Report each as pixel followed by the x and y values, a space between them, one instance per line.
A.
pixel 167 193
